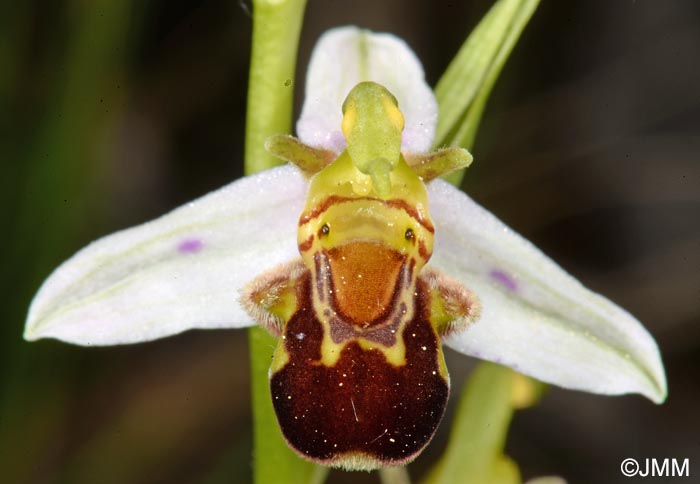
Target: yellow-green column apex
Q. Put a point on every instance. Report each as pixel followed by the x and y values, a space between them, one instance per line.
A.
pixel 372 125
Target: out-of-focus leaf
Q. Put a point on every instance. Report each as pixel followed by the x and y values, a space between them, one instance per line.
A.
pixel 465 86
pixel 47 183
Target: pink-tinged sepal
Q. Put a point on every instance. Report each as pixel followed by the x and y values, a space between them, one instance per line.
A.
pixel 178 272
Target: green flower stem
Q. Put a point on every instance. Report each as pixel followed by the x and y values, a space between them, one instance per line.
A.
pixel 276 28
pixel 394 475
pixel 477 438
pixel 464 88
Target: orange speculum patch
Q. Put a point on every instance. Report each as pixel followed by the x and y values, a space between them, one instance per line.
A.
pixel 364 276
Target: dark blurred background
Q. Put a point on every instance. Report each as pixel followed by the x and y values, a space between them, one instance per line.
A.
pixel 112 113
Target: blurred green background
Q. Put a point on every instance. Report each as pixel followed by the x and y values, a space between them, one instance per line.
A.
pixel 112 113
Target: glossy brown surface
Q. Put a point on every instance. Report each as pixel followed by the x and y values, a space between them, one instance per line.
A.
pixel 362 405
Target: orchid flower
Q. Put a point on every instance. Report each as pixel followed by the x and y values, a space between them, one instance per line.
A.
pixel 192 268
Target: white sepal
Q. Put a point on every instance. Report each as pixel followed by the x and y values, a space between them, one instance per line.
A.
pixel 345 56
pixel 183 270
pixel 536 318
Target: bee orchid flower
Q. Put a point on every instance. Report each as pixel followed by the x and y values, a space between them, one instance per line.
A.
pixel 485 291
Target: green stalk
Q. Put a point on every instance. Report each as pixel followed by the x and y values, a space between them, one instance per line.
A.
pixel 474 453
pixel 276 28
pixel 394 475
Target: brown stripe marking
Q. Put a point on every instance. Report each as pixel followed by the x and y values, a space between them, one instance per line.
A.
pixel 394 203
pixel 423 251
pixel 306 245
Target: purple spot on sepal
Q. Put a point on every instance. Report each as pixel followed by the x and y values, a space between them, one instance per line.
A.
pixel 190 246
pixel 504 279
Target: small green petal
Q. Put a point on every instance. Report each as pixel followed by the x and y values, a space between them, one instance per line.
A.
pixel 310 160
pixel 429 166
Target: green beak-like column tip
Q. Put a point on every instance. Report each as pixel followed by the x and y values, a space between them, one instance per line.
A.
pixel 372 125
